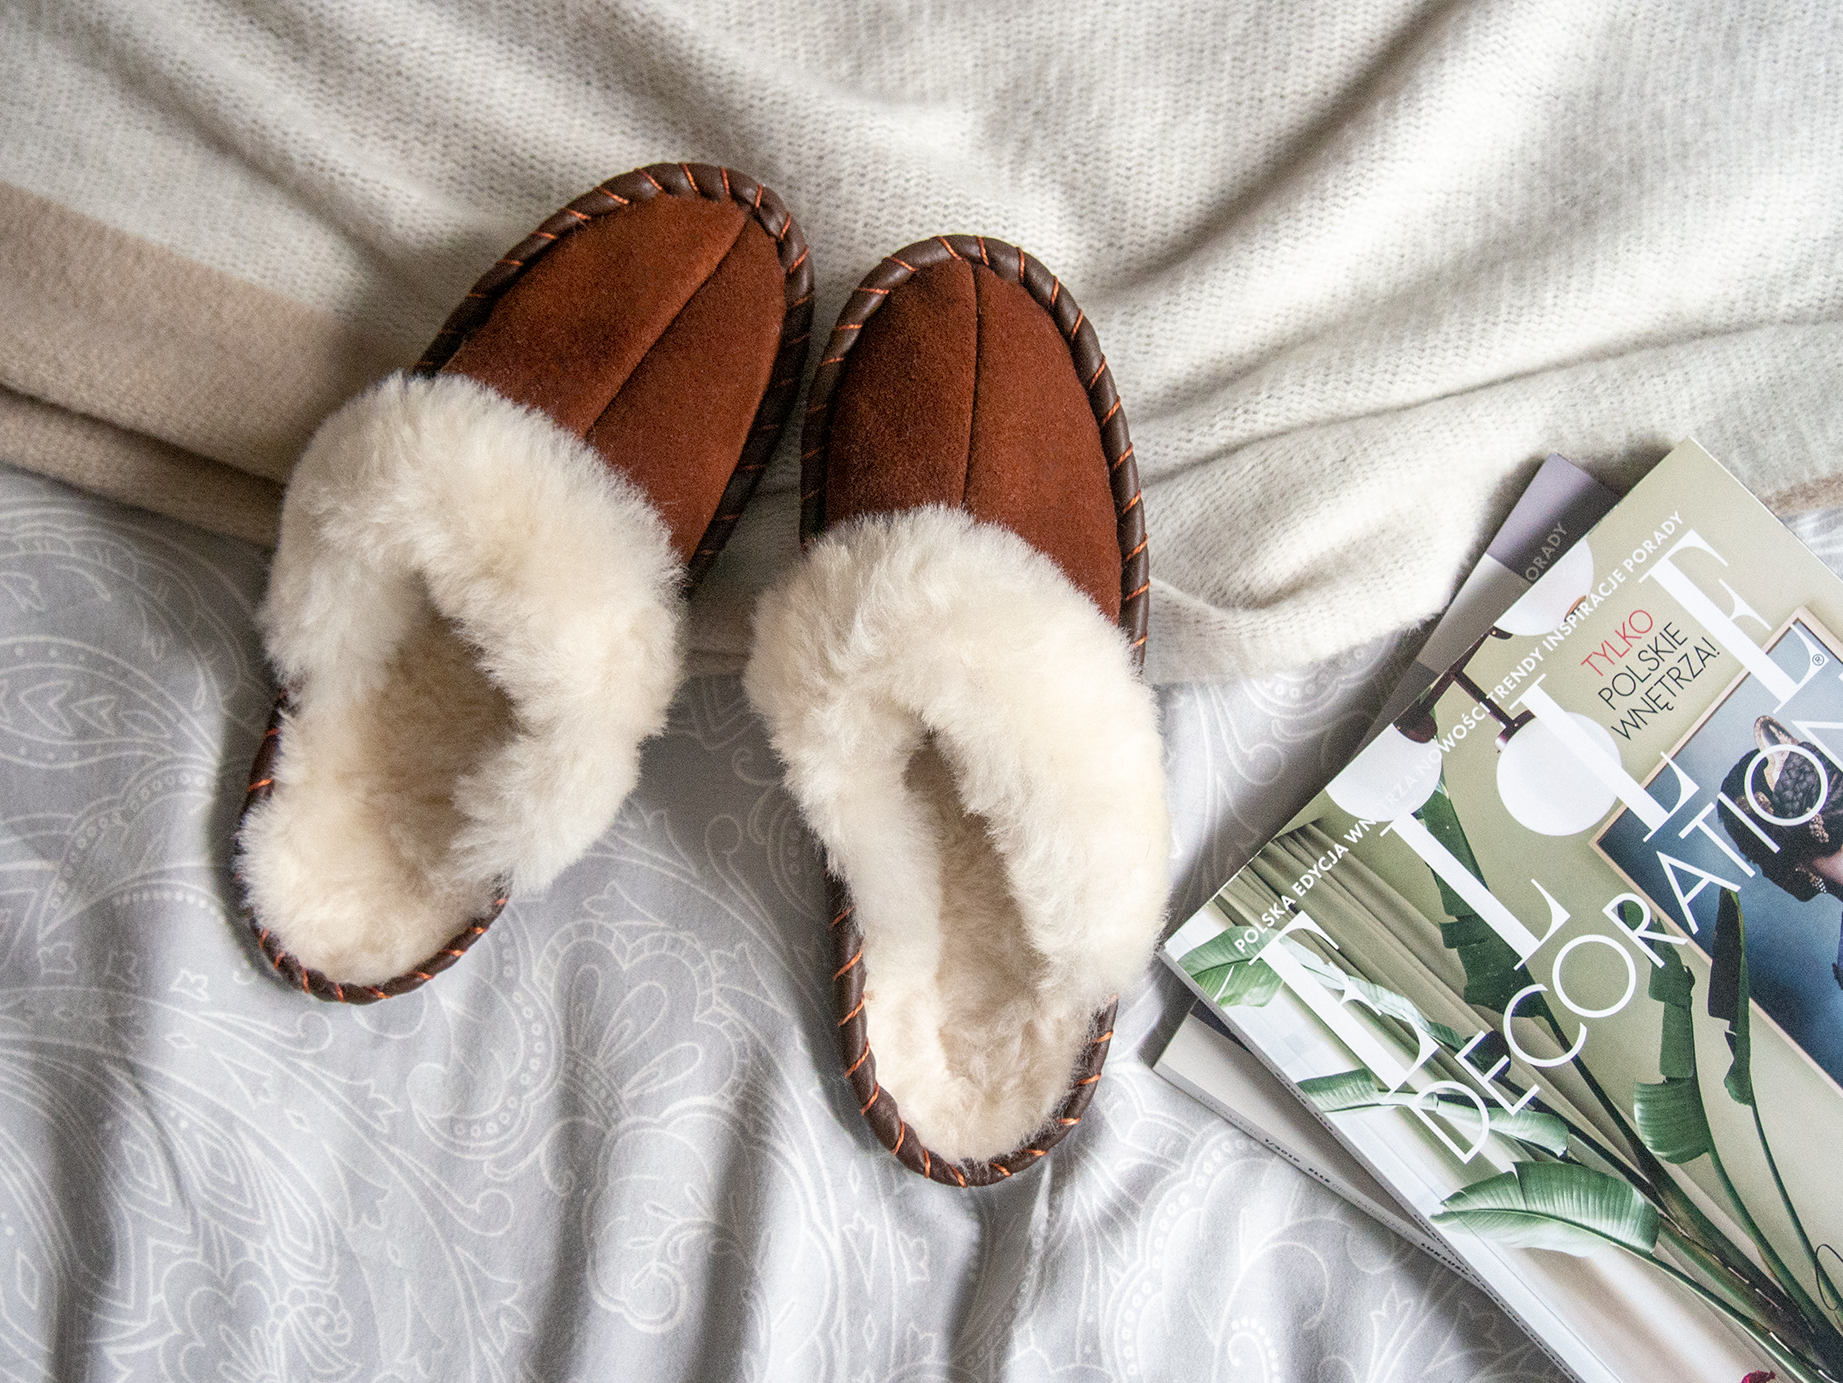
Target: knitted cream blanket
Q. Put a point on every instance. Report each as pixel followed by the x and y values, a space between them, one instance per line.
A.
pixel 1356 267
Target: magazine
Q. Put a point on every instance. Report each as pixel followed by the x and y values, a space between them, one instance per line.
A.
pixel 1557 954
pixel 1560 503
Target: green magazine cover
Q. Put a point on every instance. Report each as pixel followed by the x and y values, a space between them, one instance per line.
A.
pixel 1558 955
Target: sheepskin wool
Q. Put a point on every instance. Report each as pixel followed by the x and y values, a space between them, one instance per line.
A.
pixel 964 731
pixel 478 623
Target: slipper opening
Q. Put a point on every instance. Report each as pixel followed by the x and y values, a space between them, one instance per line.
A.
pixel 964 731
pixel 478 623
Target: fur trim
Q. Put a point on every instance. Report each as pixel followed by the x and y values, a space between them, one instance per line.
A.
pixel 478 621
pixel 965 733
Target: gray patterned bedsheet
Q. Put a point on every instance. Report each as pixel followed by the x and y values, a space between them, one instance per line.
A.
pixel 611 1143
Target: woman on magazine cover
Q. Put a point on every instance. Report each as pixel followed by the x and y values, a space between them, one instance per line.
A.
pixel 1780 782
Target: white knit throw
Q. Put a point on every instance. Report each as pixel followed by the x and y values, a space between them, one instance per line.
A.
pixel 1356 267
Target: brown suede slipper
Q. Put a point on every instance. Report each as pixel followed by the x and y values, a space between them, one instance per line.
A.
pixel 951 679
pixel 476 598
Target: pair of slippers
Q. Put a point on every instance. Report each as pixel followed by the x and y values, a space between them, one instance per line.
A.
pixel 476 605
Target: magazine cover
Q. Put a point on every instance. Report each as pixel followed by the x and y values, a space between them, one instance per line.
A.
pixel 1557 956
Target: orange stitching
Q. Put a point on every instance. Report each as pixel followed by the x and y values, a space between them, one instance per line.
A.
pixel 856 956
pixel 1136 551
pixel 1036 1152
pixel 421 976
pixel 449 951
pixel 863 1056
pixel 306 988
pixel 515 263
pixel 803 499
pixel 874 1096
pixel 1001 1168
pixel 1055 287
pixel 893 260
pixel 266 734
pixel 959 1176
pixel 1137 496
pixel 1110 412
pixel 1090 1080
pixel 854 1013
pixel 693 181
pixel 1067 1122
pixel 583 216
pixel 616 198
pixel 984 258
pixel 843 915
pixel 1104 1037
pixel 1144 586
pixel 1139 642
pixel 260 783
pixel 848 326
pixel 801 260
pixel 799 302
pixel 542 235
pixel 650 178
pixel 902 1132
pixel 339 992
pixel 831 360
pixel 726 183
pixel 786 226
pixel 1080 317
pixel 758 196
pixel 945 246
pixel 1125 456
pixel 927 1162
pixel 1097 372
pixel 880 292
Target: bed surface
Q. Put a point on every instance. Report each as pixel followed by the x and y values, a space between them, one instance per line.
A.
pixel 612 1142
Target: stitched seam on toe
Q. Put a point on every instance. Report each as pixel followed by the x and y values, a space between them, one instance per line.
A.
pixel 666 330
pixel 972 407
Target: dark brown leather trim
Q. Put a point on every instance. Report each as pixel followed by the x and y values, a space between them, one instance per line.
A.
pixel 667 179
pixel 305 977
pixel 879 1107
pixel 610 199
pixel 1008 262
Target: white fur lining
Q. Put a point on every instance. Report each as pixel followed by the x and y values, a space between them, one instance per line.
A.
pixel 479 623
pixel 964 731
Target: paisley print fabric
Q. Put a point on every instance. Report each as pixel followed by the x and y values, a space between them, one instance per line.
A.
pixel 613 1141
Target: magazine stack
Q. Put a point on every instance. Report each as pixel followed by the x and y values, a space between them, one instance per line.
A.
pixel 1558 957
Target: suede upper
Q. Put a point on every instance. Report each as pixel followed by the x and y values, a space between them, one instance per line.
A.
pixel 650 333
pixel 960 391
